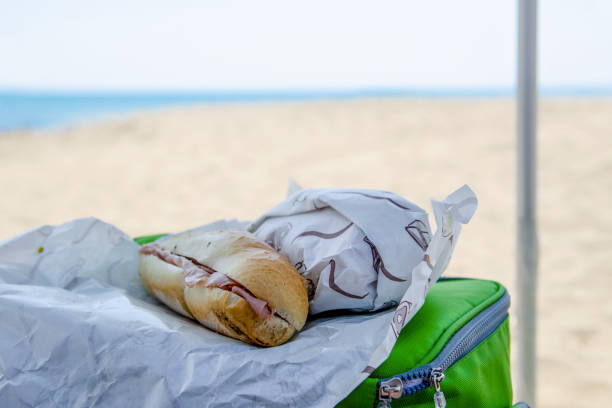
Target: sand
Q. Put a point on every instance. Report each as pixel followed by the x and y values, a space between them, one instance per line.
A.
pixel 174 169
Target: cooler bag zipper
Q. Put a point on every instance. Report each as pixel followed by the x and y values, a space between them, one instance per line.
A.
pixel 432 374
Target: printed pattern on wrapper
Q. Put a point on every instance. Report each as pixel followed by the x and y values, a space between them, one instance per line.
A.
pixel 357 249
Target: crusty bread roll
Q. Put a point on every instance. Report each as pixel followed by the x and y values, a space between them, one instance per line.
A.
pixel 229 281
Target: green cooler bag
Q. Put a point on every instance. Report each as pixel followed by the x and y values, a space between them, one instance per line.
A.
pixel 455 351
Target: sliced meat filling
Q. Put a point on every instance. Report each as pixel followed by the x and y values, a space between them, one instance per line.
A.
pixel 196 272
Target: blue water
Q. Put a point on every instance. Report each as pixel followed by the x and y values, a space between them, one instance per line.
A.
pixel 36 109
pixel 22 110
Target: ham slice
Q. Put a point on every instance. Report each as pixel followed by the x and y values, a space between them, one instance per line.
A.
pixel 195 272
pixel 219 280
pixel 260 307
pixel 222 281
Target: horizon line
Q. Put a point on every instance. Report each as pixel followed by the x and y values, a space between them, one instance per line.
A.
pixel 333 92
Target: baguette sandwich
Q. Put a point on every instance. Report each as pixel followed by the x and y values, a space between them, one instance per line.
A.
pixel 230 282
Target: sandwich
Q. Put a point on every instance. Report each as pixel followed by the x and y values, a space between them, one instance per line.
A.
pixel 230 282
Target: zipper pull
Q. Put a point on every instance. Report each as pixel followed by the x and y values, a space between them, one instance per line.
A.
pixel 386 403
pixel 388 390
pixel 436 377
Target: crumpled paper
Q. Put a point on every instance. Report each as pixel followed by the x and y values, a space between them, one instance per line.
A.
pixel 357 249
pixel 78 329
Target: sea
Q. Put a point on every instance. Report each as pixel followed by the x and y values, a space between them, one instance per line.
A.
pixel 59 109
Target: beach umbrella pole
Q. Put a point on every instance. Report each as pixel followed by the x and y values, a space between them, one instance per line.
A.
pixel 527 241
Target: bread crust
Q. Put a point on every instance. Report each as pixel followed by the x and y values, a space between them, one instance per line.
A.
pixel 242 257
pixel 229 314
pixel 164 281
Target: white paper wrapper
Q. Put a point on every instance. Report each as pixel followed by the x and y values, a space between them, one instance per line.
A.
pixel 79 330
pixel 357 248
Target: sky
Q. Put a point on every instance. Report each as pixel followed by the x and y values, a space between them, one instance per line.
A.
pixel 250 45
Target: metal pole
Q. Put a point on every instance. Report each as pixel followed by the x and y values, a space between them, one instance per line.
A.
pixel 527 241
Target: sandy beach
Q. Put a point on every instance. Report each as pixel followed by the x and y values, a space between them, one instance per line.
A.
pixel 174 169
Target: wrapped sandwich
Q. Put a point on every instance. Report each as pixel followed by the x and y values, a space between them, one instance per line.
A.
pixel 230 282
